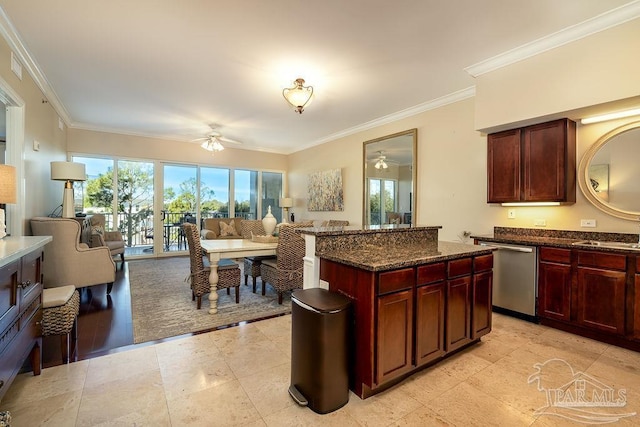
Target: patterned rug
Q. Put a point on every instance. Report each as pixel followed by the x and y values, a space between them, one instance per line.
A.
pixel 161 301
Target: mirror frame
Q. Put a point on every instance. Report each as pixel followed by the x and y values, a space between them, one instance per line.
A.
pixel 583 174
pixel 414 172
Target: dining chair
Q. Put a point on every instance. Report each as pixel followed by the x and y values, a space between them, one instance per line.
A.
pixel 285 272
pixel 250 228
pixel 228 271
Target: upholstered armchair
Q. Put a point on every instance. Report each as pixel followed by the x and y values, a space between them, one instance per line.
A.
pixel 250 228
pixel 111 239
pixel 285 272
pixel 394 218
pixel 69 262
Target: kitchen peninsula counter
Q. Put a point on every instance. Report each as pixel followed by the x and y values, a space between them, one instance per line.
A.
pixel 415 300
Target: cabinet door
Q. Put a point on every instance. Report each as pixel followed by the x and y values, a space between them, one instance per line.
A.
pixel 458 312
pixel 430 301
pixel 9 276
pixel 503 166
pixel 554 291
pixel 546 162
pixel 394 335
pixel 481 307
pixel 601 299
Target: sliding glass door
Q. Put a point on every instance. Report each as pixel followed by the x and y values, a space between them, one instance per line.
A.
pixel 246 194
pixel 382 200
pixel 179 205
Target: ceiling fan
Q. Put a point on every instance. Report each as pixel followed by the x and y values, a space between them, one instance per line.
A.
pixel 213 141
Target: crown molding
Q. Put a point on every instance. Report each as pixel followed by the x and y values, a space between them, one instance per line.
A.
pixel 402 114
pixel 9 33
pixel 591 26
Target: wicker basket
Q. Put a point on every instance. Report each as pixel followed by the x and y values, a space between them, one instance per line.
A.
pixel 262 238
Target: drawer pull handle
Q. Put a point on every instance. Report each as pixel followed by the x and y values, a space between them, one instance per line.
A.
pixel 26 284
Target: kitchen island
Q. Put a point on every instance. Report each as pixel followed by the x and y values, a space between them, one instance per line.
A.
pixel 415 300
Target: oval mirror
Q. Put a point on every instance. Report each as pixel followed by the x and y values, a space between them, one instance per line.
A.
pixel 608 174
pixel 389 179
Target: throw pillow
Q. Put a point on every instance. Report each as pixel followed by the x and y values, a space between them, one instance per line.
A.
pixel 97 229
pixel 227 230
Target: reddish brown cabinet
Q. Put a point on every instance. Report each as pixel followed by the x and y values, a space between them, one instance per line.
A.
pixel 407 318
pixel 20 316
pixel 533 164
pixel 554 283
pixel 601 291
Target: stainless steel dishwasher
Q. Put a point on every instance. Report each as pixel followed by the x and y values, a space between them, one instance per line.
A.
pixel 515 279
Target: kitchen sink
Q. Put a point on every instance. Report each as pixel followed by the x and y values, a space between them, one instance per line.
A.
pixel 610 245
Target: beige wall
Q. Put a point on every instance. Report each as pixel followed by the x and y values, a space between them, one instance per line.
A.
pixel 87 142
pixel 451 177
pixel 38 194
pixel 597 69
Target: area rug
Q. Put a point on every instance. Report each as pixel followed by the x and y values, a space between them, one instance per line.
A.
pixel 161 303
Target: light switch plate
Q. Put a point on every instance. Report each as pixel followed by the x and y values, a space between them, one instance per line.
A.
pixel 591 223
pixel 36 145
pixel 324 284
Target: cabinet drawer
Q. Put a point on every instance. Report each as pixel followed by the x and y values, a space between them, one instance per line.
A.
pixel 431 273
pixel 602 260
pixel 482 263
pixel 459 267
pixel 562 256
pixel 397 280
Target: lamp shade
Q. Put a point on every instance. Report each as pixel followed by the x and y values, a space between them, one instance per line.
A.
pixel 286 202
pixel 68 171
pixel 7 184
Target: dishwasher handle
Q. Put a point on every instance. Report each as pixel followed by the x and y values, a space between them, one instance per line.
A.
pixel 508 248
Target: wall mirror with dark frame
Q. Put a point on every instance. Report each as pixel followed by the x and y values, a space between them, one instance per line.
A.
pixel 389 179
pixel 608 174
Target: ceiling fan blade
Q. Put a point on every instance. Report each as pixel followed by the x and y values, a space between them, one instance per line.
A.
pixel 230 141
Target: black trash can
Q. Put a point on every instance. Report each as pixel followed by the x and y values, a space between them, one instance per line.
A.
pixel 320 349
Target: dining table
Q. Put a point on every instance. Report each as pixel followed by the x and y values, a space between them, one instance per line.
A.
pixel 231 248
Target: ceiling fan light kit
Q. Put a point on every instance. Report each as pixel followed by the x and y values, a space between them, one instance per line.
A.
pixel 298 96
pixel 381 164
pixel 212 144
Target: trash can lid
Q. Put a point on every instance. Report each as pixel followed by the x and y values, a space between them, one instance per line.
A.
pixel 321 299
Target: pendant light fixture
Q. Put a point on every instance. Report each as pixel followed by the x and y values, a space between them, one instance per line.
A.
pixel 298 96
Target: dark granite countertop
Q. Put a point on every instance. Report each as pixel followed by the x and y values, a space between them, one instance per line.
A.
pixel 376 258
pixel 349 229
pixel 557 238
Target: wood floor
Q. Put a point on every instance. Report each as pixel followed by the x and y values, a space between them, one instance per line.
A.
pixel 104 322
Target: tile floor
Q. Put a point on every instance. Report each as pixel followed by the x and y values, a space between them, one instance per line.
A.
pixel 240 376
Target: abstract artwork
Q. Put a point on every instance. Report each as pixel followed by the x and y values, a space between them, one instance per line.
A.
pixel 325 191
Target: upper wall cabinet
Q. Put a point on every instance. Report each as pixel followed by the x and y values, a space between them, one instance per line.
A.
pixel 533 164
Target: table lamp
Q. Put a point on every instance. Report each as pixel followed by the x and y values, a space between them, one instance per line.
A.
pixel 7 193
pixel 286 203
pixel 69 172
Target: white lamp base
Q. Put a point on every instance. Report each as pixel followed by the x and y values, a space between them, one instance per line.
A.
pixel 68 208
pixel 3 227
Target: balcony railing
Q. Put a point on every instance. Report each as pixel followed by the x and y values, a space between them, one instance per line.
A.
pixel 140 232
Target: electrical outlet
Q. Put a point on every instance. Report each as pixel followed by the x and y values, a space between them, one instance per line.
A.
pixel 588 223
pixel 540 222
pixel 511 213
pixel 324 284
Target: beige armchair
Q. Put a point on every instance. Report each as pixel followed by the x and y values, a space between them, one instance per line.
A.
pixel 69 262
pixel 101 237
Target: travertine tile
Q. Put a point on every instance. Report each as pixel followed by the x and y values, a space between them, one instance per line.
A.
pixel 122 365
pixel 60 410
pixel 236 337
pixel 383 408
pixel 254 357
pixel 136 399
pixel 299 416
pixel 187 348
pixel 186 376
pixel 222 405
pixel 422 416
pixel 465 405
pixel 268 390
pixel 53 381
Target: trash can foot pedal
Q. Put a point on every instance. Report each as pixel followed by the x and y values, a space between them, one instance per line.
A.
pixel 297 396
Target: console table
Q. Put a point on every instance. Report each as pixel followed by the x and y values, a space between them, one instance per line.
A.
pixel 20 305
